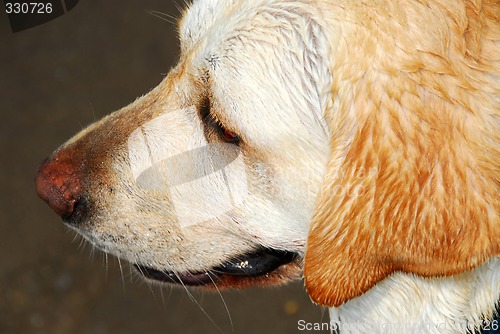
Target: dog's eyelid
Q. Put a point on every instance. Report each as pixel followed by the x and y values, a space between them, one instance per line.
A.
pixel 226 134
pixel 212 121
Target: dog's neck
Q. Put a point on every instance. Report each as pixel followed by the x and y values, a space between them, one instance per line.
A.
pixel 405 303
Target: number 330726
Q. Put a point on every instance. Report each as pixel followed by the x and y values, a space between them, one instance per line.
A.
pixel 28 8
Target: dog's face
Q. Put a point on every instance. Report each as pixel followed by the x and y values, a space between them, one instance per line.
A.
pixel 217 169
pixel 288 123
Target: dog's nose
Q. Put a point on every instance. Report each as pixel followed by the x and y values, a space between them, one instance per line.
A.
pixel 58 184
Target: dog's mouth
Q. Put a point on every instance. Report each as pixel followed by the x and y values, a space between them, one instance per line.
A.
pixel 257 264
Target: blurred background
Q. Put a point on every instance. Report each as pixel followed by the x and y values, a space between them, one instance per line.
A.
pixel 55 79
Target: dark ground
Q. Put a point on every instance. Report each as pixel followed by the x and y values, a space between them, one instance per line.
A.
pixel 55 79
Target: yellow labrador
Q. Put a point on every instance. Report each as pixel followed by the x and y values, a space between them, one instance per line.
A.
pixel 354 143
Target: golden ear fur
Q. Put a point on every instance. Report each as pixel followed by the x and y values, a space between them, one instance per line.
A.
pixel 413 183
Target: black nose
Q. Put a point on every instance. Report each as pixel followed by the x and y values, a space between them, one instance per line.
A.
pixel 58 183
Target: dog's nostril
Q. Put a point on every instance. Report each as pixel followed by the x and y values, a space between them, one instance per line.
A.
pixel 57 184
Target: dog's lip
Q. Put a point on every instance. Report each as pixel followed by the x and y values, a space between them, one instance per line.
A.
pixel 191 279
pixel 255 264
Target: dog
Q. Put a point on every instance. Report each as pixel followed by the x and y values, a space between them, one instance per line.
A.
pixel 353 144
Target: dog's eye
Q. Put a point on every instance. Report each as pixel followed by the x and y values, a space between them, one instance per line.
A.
pixel 229 136
pixel 214 125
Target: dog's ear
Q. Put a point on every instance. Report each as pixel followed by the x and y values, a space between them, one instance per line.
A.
pixel 412 185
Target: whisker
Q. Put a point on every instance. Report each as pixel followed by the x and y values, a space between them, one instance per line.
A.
pixel 81 242
pixel 191 297
pixel 181 8
pixel 131 273
pixel 75 236
pixel 162 297
pixel 163 16
pixel 93 111
pixel 121 272
pixel 92 254
pixel 106 267
pixel 171 288
pixel 78 238
pixel 223 302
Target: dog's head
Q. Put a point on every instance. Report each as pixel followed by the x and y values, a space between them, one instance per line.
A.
pixel 288 124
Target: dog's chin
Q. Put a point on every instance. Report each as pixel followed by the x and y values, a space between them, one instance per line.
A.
pixel 261 267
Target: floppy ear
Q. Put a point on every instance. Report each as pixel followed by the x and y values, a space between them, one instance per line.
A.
pixel 412 185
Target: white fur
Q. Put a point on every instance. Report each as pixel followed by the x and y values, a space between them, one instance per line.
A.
pixel 405 303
